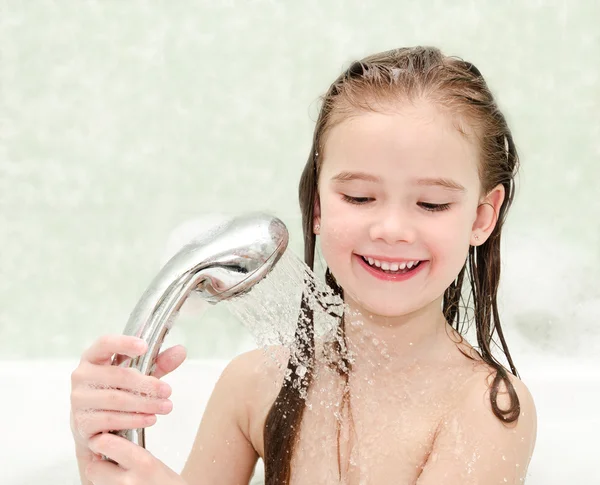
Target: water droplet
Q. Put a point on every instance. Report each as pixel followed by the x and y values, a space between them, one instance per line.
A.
pixel 273 309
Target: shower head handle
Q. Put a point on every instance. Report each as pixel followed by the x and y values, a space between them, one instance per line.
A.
pixel 222 263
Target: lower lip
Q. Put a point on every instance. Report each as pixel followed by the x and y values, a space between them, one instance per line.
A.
pixel 390 277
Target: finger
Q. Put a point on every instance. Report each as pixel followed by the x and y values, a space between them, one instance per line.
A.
pixel 119 449
pixel 102 350
pixel 169 360
pixel 115 377
pixel 117 400
pixel 102 472
pixel 90 423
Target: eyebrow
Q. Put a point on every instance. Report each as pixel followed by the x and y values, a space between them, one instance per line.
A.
pixel 442 182
pixel 349 176
pixel 429 181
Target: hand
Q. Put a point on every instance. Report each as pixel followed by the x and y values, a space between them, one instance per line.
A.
pixel 107 397
pixel 136 465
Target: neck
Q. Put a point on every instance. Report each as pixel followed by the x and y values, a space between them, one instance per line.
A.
pixel 389 343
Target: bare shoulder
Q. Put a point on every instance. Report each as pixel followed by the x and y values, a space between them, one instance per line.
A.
pixel 259 367
pixel 484 388
pixel 474 444
pixel 257 376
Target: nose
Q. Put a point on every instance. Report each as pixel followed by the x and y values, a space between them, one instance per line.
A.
pixel 392 226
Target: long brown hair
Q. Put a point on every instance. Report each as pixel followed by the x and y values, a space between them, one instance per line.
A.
pixel 458 87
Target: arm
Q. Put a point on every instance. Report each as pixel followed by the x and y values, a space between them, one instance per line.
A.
pixel 474 447
pixel 222 453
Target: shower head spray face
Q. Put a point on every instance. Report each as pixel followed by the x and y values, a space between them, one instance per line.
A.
pixel 239 254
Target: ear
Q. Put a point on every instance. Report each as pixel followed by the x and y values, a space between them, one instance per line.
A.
pixel 487 215
pixel 316 212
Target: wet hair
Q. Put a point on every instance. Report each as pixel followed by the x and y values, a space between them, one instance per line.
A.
pixel 457 88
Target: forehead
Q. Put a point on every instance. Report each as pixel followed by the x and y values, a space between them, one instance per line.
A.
pixel 412 140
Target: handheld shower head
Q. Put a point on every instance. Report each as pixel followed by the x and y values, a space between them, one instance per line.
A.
pixel 222 263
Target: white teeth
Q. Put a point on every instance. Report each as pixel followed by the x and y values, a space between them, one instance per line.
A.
pixel 387 266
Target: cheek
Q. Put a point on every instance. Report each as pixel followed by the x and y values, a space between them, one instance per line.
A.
pixel 337 239
pixel 339 227
pixel 335 248
pixel 339 235
pixel 449 241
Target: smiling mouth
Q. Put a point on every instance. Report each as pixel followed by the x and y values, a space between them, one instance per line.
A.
pixel 387 271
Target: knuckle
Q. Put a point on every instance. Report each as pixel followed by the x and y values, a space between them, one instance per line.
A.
pixel 75 397
pixel 83 423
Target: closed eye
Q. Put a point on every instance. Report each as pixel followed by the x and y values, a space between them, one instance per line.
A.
pixel 434 207
pixel 425 205
pixel 356 200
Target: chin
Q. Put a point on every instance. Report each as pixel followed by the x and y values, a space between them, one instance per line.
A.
pixel 376 307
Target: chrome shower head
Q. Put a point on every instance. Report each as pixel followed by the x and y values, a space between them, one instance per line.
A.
pixel 225 262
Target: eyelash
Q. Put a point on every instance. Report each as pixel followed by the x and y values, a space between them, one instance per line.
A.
pixel 429 207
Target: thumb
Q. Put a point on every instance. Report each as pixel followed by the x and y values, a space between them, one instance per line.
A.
pixel 169 360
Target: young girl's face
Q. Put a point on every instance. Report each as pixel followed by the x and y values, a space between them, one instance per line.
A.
pixel 378 188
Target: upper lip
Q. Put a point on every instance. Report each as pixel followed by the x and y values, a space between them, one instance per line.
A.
pixel 390 260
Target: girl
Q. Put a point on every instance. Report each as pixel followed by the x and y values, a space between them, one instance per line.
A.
pixel 407 185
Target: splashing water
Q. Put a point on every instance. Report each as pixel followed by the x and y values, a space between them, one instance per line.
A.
pixel 272 309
